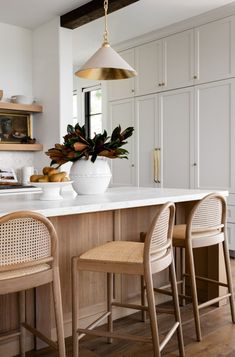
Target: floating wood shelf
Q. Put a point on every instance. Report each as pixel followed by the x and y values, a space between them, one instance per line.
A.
pixel 21 147
pixel 29 108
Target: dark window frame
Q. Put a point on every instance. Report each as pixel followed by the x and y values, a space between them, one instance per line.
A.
pixel 88 115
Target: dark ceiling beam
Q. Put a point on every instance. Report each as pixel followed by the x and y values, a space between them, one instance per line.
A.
pixel 90 11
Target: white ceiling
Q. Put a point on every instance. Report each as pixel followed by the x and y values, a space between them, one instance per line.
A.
pixel 139 18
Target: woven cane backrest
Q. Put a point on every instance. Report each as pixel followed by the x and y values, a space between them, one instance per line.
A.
pixel 208 213
pixel 23 240
pixel 160 231
pixel 159 236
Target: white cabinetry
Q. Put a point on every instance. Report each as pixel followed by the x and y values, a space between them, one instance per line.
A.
pixel 148 59
pixel 178 60
pixel 176 112
pixel 120 89
pixel 147 137
pixel 123 171
pixel 215 144
pixel 215 50
pixel 165 64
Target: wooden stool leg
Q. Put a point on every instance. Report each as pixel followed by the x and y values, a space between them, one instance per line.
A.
pixel 229 278
pixel 182 268
pixel 143 298
pixel 176 308
pixel 22 320
pixel 152 313
pixel 194 292
pixel 58 312
pixel 109 303
pixel 75 310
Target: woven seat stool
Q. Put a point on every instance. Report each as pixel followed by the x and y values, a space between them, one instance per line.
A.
pixel 29 259
pixel 205 226
pixel 136 258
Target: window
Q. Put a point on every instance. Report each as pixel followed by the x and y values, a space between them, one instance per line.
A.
pixel 75 107
pixel 93 110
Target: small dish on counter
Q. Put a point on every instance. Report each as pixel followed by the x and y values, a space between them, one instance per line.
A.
pixel 51 191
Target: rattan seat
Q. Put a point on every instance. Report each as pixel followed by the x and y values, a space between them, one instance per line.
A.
pixel 205 226
pixel 29 259
pixel 116 252
pixel 24 271
pixel 134 258
pixel 179 237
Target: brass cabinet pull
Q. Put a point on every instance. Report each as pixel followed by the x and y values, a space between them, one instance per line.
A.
pixel 157 173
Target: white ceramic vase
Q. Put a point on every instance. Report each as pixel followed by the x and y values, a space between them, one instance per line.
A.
pixel 90 178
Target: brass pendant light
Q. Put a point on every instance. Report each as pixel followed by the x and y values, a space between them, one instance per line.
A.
pixel 106 64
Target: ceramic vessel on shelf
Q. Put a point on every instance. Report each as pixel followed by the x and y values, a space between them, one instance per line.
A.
pixel 90 178
pixel 51 191
pixel 21 99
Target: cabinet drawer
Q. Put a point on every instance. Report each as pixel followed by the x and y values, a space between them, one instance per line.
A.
pixel 231 214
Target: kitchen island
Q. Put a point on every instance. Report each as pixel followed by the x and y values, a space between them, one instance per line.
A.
pixel 83 222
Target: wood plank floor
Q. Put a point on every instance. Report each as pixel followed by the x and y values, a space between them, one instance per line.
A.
pixel 217 329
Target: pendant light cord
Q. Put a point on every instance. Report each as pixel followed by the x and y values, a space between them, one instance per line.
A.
pixel 106 33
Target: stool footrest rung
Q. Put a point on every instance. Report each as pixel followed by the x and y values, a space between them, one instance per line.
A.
pixel 213 301
pixel 208 280
pixel 114 335
pixel 95 323
pixel 169 335
pixel 40 335
pixel 130 306
pixel 9 335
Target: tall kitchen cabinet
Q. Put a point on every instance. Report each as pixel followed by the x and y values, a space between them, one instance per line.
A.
pixel 214 135
pixel 163 123
pixel 124 171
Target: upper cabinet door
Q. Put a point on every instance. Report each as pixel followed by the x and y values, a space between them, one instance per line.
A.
pixel 123 88
pixel 178 60
pixel 148 59
pixel 215 50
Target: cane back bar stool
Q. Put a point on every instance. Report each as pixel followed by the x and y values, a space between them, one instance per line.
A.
pixel 206 226
pixel 144 259
pixel 28 259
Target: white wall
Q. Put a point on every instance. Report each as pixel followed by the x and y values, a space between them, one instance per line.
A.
pixel 15 60
pixel 15 78
pixel 38 64
pixel 52 84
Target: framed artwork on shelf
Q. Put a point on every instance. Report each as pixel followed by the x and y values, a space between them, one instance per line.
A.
pixel 14 127
pixel 7 175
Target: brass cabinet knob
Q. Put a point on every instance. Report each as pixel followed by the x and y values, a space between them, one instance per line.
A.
pixel 163 83
pixel 133 91
pixel 195 77
pixel 159 84
pixel 194 164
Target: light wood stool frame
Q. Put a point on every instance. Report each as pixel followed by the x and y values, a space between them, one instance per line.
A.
pixel 156 256
pixel 24 266
pixel 206 226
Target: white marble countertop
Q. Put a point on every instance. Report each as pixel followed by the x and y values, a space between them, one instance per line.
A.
pixel 113 198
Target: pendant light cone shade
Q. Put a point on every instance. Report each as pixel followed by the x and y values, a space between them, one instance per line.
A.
pixel 106 64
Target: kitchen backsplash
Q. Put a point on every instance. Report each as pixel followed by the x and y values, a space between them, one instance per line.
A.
pixel 16 160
